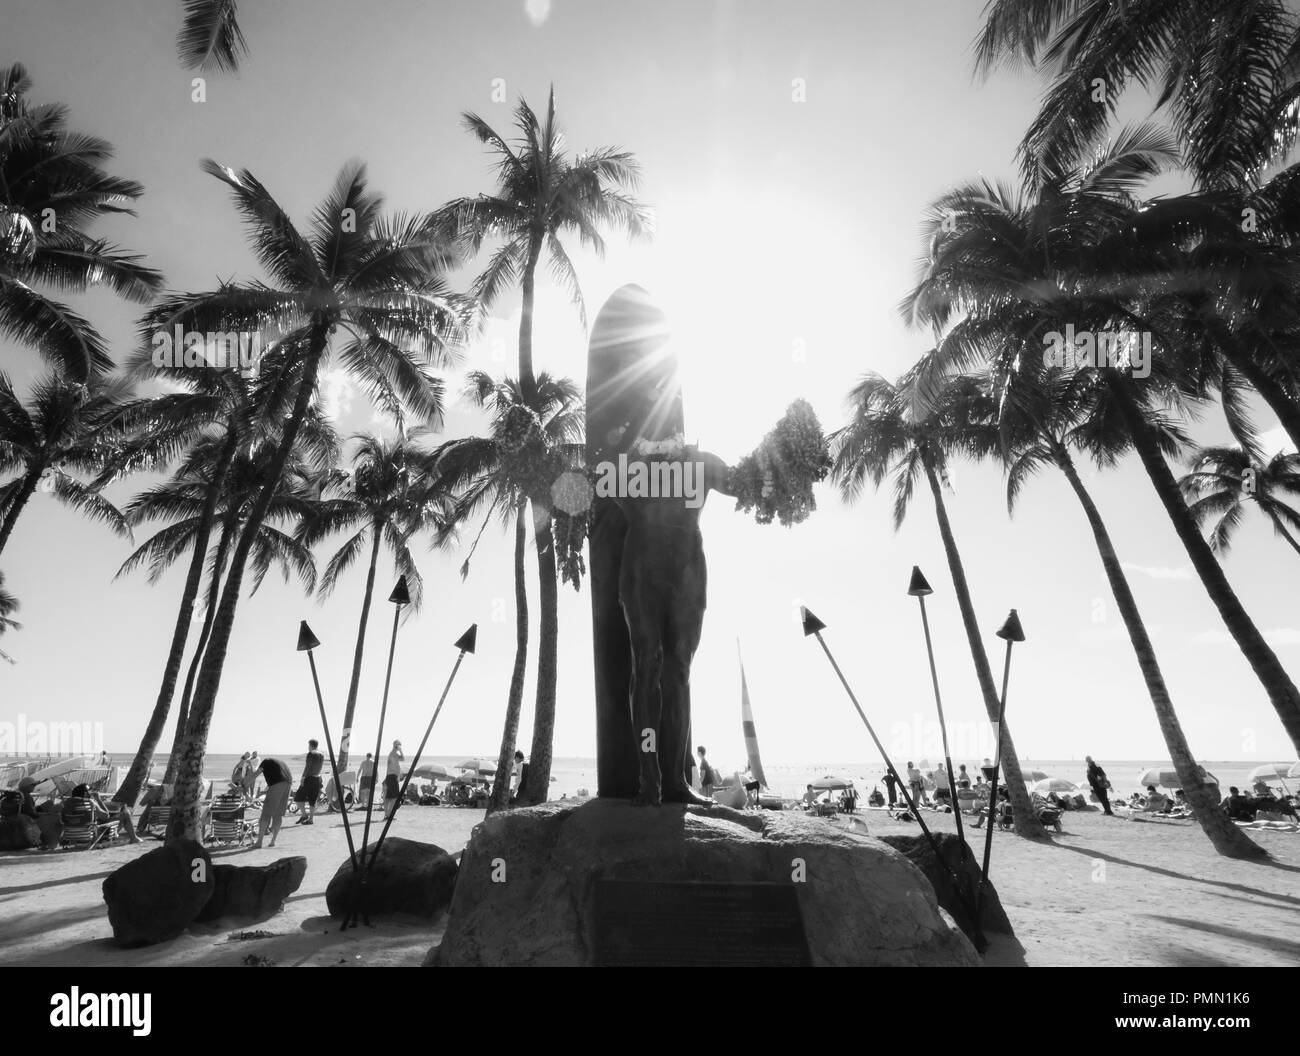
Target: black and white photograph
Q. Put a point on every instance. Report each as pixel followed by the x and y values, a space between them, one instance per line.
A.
pixel 652 483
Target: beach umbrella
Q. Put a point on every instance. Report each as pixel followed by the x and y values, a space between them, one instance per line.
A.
pixel 829 783
pixel 481 765
pixel 1055 784
pixel 1271 772
pixel 1030 775
pixel 1162 778
pixel 432 771
pixel 1294 771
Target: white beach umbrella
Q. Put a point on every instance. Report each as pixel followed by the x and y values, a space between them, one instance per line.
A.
pixel 432 771
pixel 1272 772
pixel 1055 784
pixel 481 765
pixel 1030 774
pixel 1163 778
pixel 1294 771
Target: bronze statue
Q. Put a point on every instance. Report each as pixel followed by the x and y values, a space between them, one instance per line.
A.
pixel 646 569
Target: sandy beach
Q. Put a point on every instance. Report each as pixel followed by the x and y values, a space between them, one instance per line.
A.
pixel 1107 891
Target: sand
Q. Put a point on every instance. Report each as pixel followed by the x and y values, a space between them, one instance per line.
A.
pixel 1105 892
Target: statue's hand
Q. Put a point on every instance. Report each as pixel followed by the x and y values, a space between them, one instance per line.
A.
pixel 717 474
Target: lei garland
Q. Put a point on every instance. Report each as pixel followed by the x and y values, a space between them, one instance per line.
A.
pixel 776 480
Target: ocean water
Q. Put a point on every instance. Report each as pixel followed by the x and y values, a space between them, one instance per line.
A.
pixel 574 774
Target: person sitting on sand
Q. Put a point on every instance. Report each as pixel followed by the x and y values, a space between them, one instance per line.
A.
pixel 1156 802
pixel 963 778
pixel 279 779
pixel 1238 806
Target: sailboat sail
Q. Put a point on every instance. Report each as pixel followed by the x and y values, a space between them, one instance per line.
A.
pixel 747 724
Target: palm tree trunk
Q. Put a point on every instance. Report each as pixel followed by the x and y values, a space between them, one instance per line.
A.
pixel 515 701
pixel 1026 818
pixel 1228 840
pixel 1268 669
pixel 527 376
pixel 539 762
pixel 189 775
pixel 142 763
pixel 351 707
pixel 187 694
pixel 20 500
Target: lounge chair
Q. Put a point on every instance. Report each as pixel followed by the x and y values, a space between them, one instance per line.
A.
pixel 229 825
pixel 83 826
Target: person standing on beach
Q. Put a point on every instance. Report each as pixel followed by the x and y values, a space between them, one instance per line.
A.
pixel 367 776
pixel 250 779
pixel 279 779
pixel 309 791
pixel 917 784
pixel 392 779
pixel 1100 786
pixel 239 775
pixel 707 775
pixel 890 787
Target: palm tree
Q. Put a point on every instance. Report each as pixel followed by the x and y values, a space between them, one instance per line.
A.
pixel 66 427
pixel 541 196
pixel 1042 415
pixel 376 502
pixel 210 37
pixel 1224 72
pixel 1007 275
pixel 380 282
pixel 52 187
pixel 1224 479
pixel 1226 75
pixel 183 501
pixel 530 443
pixel 885 437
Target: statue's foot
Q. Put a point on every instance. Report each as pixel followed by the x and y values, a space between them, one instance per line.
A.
pixel 686 794
pixel 647 796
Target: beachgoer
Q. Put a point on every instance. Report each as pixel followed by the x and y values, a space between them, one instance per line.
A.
pixel 942 793
pixel 963 778
pixel 890 787
pixel 810 798
pixel 1156 802
pixel 279 780
pixel 366 772
pixel 752 791
pixel 1238 806
pixel 392 779
pixel 517 773
pixel 104 812
pixel 1100 785
pixel 690 772
pixel 708 776
pixel 103 759
pixel 917 784
pixel 239 775
pixel 250 776
pixel 987 768
pixel 309 791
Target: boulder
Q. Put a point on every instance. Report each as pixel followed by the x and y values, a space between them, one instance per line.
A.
pixel 158 895
pixel 407 877
pixel 525 893
pixel 18 833
pixel 253 892
pixel 919 852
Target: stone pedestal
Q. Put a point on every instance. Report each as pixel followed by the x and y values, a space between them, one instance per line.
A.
pixel 525 891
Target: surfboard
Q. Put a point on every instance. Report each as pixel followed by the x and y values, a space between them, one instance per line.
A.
pixel 633 392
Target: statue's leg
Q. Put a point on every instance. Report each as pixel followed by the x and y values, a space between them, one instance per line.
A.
pixel 684 625
pixel 643 601
pixel 616 761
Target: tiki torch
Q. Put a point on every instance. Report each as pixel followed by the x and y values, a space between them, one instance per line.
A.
pixel 307 643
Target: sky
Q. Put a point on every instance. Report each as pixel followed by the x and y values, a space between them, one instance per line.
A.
pixel 789 151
